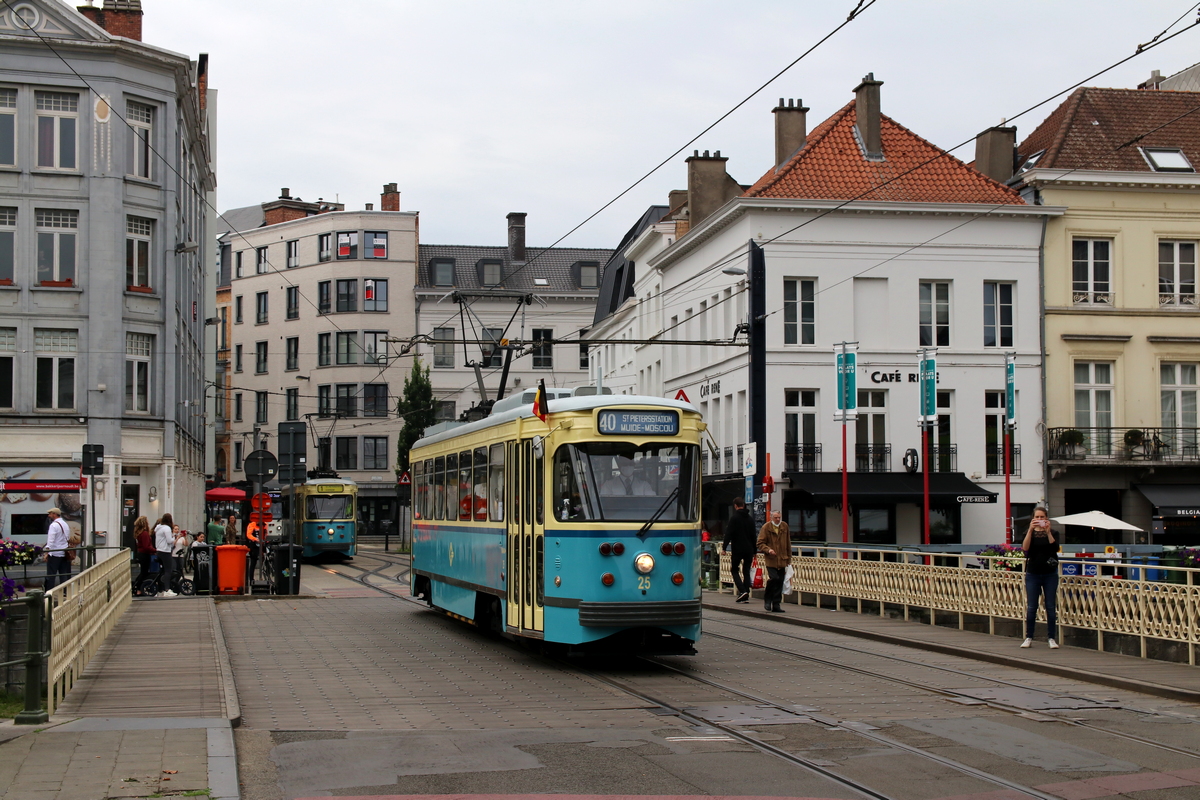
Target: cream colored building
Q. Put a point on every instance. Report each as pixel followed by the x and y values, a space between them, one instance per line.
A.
pixel 1122 324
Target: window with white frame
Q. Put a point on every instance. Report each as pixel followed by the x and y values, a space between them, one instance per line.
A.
pixel 443 348
pixel 374 347
pixel 446 410
pixel 139 349
pixel 1091 271
pixel 935 314
pixel 260 407
pixel 347 347
pixel 375 244
pixel 260 261
pixel 293 352
pixel 583 355
pixel 324 350
pixel 1093 394
pixel 8 346
pixel 1177 274
pixel 139 233
pixel 57 121
pixel 237 358
pixel 543 350
pixel 293 302
pixel 994 416
pixel 8 127
pixel 347 245
pixel 799 312
pixel 56 245
pixel 325 247
pixel 293 254
pixel 375 452
pixel 375 400
pixel 375 294
pixel 260 308
pixel 997 314
pixel 237 310
pixel 801 451
pixel 260 358
pixel 347 452
pixel 493 356
pixel 1166 159
pixel 1178 396
pixel 325 400
pixel 55 350
pixel 8 244
pixel 139 156
pixel 237 264
pixel 347 399
pixel 293 405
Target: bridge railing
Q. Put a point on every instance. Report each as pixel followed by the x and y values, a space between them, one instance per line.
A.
pixel 1147 604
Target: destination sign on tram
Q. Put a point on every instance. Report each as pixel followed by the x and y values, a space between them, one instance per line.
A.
pixel 638 423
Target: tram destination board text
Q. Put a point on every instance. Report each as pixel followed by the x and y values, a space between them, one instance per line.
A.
pixel 638 423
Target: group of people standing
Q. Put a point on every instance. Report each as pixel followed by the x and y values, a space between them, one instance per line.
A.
pixel 773 540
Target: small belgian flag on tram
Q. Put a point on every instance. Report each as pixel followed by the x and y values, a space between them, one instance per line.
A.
pixel 541 409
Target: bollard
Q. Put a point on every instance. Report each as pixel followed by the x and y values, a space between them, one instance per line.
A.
pixel 34 713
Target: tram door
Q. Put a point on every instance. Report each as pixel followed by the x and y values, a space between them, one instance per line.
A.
pixel 526 547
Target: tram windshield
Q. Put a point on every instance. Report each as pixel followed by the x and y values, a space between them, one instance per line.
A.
pixel 618 481
pixel 324 508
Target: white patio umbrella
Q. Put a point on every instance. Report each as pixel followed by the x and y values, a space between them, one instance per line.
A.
pixel 1096 519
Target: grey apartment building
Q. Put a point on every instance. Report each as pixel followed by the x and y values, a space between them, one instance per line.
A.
pixel 104 178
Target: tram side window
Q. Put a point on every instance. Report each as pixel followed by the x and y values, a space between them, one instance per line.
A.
pixel 514 479
pixel 539 477
pixel 439 487
pixel 464 485
pixel 427 495
pixel 495 487
pixel 418 488
pixel 451 499
pixel 479 485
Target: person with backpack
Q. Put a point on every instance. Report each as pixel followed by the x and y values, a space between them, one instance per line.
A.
pixel 164 544
pixel 58 542
pixel 740 543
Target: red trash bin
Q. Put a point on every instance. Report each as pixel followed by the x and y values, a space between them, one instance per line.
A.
pixel 231 568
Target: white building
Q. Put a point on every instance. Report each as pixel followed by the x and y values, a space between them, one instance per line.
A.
pixel 926 254
pixel 508 293
pixel 315 295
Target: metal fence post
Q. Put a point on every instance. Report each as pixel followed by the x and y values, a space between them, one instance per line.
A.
pixel 35 712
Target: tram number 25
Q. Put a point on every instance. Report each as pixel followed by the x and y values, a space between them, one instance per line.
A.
pixel 644 583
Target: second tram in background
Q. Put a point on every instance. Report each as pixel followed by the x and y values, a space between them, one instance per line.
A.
pixel 325 517
pixel 583 529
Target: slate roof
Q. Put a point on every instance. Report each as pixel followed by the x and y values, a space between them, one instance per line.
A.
pixel 616 284
pixel 553 264
pixel 831 166
pixel 240 219
pixel 1095 129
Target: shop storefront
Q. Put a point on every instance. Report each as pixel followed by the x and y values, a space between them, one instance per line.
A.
pixel 1176 521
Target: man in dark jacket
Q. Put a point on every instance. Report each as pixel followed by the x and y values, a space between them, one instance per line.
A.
pixel 740 542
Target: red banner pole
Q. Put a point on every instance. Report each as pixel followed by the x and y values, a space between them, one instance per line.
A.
pixel 845 487
pixel 1008 520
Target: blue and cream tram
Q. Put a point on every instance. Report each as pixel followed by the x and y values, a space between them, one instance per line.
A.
pixel 325 514
pixel 583 529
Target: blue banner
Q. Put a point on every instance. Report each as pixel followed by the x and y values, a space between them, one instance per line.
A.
pixel 638 423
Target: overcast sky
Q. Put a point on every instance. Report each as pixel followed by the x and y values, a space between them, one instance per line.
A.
pixel 553 107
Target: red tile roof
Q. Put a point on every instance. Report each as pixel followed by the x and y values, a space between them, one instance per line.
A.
pixel 831 166
pixel 1095 129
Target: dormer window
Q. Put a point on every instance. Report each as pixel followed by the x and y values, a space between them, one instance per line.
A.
pixel 442 272
pixel 1166 159
pixel 1032 161
pixel 490 272
pixel 589 275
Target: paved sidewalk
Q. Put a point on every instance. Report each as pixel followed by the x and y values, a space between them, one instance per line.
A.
pixel 152 714
pixel 1160 678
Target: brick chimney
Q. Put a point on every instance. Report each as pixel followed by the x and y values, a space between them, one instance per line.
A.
pixel 389 200
pixel 709 186
pixel 866 114
pixel 995 153
pixel 791 130
pixel 287 208
pixel 516 237
pixel 118 17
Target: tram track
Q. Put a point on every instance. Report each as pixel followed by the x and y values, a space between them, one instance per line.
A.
pixel 952 693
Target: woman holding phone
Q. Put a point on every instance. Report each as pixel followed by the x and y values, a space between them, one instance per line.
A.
pixel 1041 576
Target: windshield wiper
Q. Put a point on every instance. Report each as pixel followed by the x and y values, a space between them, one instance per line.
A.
pixel 653 519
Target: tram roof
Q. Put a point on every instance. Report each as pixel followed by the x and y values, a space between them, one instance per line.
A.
pixel 564 404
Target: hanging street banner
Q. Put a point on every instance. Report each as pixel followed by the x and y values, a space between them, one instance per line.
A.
pixel 1010 390
pixel 928 382
pixel 847 385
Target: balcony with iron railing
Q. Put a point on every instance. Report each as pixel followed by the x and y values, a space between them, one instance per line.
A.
pixel 943 457
pixel 1092 298
pixel 1124 445
pixel 802 457
pixel 872 458
pixel 995 460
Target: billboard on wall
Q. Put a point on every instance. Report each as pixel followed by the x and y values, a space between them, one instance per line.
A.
pixel 28 491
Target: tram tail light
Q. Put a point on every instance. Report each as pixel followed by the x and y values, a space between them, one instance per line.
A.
pixel 680 547
pixel 666 548
pixel 618 548
pixel 606 549
pixel 607 579
pixel 677 579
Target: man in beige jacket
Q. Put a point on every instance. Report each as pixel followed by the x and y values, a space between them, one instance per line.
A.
pixel 775 543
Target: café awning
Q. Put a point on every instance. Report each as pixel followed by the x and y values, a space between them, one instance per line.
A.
pixel 224 493
pixel 945 488
pixel 1172 499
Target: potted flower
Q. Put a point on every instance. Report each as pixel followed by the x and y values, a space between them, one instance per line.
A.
pixel 14 554
pixel 1070 441
pixel 1003 557
pixel 1133 442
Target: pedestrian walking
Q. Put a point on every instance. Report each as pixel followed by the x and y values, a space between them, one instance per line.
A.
pixel 164 544
pixel 740 543
pixel 775 543
pixel 58 540
pixel 1041 576
pixel 215 531
pixel 144 548
pixel 231 530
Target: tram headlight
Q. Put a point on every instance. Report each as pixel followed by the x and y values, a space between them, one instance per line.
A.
pixel 331 531
pixel 643 563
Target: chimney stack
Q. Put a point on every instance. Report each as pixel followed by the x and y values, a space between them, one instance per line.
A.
pixel 285 193
pixel 118 17
pixel 866 114
pixel 516 237
pixel 370 207
pixel 791 130
pixel 390 199
pixel 709 186
pixel 1153 81
pixel 995 153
